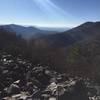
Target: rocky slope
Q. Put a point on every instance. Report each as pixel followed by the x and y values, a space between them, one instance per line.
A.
pixel 22 80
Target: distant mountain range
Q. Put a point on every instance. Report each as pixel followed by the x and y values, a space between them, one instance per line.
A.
pixel 31 31
pixel 84 32
pixel 56 29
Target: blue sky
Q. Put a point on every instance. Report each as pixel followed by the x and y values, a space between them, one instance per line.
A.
pixel 52 13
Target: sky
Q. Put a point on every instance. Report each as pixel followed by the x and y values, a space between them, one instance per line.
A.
pixel 49 13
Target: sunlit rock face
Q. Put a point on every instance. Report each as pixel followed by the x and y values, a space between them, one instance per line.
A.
pixel 52 98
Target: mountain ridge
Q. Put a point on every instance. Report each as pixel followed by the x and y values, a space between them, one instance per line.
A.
pixel 26 31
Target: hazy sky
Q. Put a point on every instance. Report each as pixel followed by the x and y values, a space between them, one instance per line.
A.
pixel 49 12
